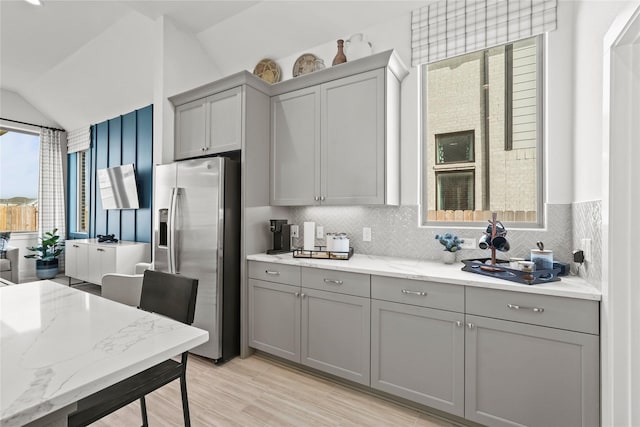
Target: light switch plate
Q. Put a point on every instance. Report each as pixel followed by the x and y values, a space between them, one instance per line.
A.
pixel 366 234
pixel 319 232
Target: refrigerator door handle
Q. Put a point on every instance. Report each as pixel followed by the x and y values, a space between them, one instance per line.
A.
pixel 172 230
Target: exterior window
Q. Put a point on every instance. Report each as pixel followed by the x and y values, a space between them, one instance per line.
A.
pixel 82 225
pixel 482 137
pixel 19 173
pixel 455 190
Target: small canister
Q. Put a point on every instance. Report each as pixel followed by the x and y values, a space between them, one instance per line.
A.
pixel 329 237
pixel 340 242
pixel 542 258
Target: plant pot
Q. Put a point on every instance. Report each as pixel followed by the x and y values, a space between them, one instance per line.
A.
pixel 448 257
pixel 46 269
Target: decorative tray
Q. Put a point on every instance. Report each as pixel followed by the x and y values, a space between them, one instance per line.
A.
pixel 501 270
pixel 321 253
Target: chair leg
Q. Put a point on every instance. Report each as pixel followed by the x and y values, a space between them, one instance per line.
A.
pixel 185 401
pixel 143 410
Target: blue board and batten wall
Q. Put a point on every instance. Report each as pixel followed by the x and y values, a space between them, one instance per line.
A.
pixel 119 141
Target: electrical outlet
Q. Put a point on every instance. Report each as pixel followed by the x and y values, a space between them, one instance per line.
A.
pixel 295 231
pixel 366 234
pixel 319 232
pixel 469 243
pixel 585 245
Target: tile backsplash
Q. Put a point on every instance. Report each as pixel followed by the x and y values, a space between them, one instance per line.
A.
pixel 587 223
pixel 395 232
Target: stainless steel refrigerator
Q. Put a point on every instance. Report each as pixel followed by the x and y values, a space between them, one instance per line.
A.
pixel 197 234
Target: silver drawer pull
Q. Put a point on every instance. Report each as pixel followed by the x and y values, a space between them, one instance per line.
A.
pixel 76 246
pixel 458 323
pixel 519 307
pixel 335 282
pixel 419 293
pixel 100 250
pixel 273 273
pixel 297 294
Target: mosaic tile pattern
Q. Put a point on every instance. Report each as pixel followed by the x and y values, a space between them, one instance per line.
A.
pixel 587 223
pixel 395 232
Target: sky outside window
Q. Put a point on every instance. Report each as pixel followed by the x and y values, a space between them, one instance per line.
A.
pixel 19 158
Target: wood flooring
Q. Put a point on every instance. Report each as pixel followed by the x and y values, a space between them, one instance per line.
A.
pixel 257 391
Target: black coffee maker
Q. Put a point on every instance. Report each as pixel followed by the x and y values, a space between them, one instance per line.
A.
pixel 281 236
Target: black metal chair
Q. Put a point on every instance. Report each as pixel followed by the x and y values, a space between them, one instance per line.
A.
pixel 173 296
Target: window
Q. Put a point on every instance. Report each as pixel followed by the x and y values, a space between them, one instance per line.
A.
pixel 482 136
pixel 82 188
pixel 19 173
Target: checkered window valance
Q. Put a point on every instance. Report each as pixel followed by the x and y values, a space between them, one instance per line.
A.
pixel 79 140
pixel 449 28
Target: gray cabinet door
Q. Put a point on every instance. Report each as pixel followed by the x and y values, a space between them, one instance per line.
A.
pixel 274 318
pixel 526 375
pixel 190 138
pixel 224 127
pixel 295 148
pixel 353 140
pixel 336 334
pixel 418 353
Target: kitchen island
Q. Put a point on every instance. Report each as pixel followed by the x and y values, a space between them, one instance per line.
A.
pixel 59 345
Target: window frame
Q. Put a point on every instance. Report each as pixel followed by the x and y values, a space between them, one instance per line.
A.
pixel 541 57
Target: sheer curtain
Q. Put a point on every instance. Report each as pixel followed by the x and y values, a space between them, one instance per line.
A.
pixel 51 184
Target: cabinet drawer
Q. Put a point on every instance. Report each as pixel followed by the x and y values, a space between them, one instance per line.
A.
pixel 336 281
pixel 279 273
pixel 418 292
pixel 545 310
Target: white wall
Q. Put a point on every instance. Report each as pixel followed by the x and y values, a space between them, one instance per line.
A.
pixel 593 19
pixel 109 76
pixel 13 106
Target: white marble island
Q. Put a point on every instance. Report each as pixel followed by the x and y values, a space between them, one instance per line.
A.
pixel 60 345
pixel 568 286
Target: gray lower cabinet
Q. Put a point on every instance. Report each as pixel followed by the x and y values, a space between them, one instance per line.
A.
pixel 275 318
pixel 336 334
pixel 418 353
pixel 318 325
pixel 527 375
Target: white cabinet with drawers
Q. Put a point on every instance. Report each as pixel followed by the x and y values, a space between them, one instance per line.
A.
pixel 88 260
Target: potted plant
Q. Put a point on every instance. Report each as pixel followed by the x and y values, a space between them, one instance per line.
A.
pixel 451 245
pixel 46 255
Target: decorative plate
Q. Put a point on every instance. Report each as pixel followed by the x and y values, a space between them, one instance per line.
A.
pixel 305 64
pixel 268 71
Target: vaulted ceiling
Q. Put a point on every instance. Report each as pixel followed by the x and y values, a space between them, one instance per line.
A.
pixel 41 46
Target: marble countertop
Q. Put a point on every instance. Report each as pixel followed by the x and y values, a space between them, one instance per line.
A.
pixel 61 344
pixel 568 286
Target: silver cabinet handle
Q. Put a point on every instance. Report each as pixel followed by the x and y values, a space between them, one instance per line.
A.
pixel 316 198
pixel 322 198
pixel 273 273
pixel 458 323
pixel 419 293
pixel 303 295
pixel 470 325
pixel 335 282
pixel 76 246
pixel 297 294
pixel 520 307
pixel 100 250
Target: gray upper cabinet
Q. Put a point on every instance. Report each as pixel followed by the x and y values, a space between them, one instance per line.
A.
pixel 295 147
pixel 335 139
pixel 190 129
pixel 209 125
pixel 528 375
pixel 352 156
